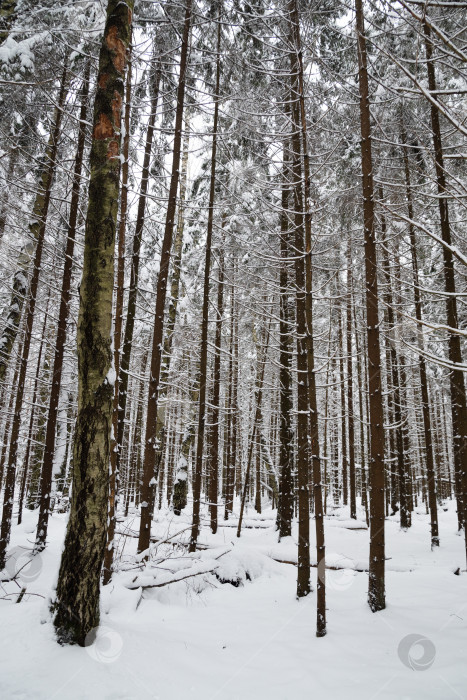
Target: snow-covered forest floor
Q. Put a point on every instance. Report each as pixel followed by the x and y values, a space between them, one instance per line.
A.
pixel 201 638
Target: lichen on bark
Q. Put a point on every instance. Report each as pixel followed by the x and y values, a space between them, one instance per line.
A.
pixel 76 604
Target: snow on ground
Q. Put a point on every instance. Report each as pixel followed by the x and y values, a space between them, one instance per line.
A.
pixel 199 638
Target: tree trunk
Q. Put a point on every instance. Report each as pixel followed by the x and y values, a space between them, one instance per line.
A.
pixel 343 411
pixel 285 504
pixel 173 302
pixel 350 411
pixel 256 426
pixel 33 413
pixel 117 335
pixel 405 520
pixel 6 431
pixel 48 457
pixel 456 376
pixel 134 273
pixel 376 583
pixel 205 321
pixel 149 475
pixel 427 427
pixel 214 453
pixel 303 456
pixel 231 437
pixel 76 605
pixel 37 227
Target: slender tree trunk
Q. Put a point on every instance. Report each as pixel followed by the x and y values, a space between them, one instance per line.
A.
pixel 117 335
pixel 33 413
pixel 456 376
pixel 205 321
pixel 149 475
pixel 258 479
pixel 303 569
pixel 427 427
pixel 76 604
pixel 180 489
pixel 345 487
pixel 361 406
pixel 231 431
pixel 285 505
pixel 48 457
pixel 256 426
pixel 395 359
pixel 376 583
pixel 38 229
pixel 5 196
pixel 173 302
pixel 297 63
pixel 134 273
pixel 350 410
pixel 6 432
pixel 135 454
pixel 214 455
pixel 36 234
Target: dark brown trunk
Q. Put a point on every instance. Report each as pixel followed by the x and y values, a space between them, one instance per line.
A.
pixel 231 435
pixel 350 409
pixel 37 226
pixel 173 305
pixel 394 358
pixel 285 505
pixel 24 474
pixel 48 457
pixel 205 321
pixel 376 583
pixel 149 477
pixel 11 403
pixel 456 376
pixel 134 273
pixel 345 486
pixel 214 453
pixel 303 452
pixel 427 427
pixel 256 426
pixel 29 315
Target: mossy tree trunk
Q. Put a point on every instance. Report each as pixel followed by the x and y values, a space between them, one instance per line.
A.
pixel 76 604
